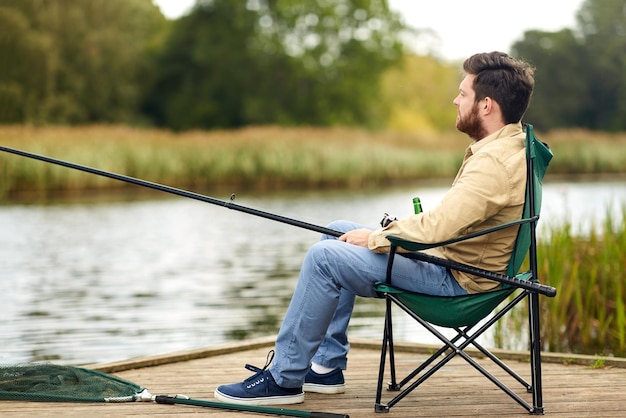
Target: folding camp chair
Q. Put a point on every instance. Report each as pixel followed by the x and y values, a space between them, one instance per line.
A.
pixel 463 313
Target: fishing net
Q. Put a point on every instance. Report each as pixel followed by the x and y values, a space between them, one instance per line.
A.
pixel 53 383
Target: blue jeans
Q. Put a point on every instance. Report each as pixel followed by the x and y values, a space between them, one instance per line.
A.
pixel 332 275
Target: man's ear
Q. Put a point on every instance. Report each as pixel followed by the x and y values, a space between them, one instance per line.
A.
pixel 489 106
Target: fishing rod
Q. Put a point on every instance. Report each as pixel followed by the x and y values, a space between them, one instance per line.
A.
pixel 547 290
pixel 270 410
pixel 179 192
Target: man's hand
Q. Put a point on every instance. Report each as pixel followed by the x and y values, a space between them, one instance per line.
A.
pixel 356 237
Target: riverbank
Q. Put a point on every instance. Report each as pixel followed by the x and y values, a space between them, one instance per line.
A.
pixel 585 268
pixel 264 158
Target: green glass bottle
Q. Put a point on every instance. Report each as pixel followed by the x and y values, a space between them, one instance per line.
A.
pixel 417 205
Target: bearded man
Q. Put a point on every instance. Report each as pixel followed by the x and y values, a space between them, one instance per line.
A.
pixel 312 344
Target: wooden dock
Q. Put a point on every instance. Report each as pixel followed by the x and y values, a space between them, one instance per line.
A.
pixel 574 386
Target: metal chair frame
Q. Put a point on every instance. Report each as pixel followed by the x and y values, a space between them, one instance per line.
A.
pixel 517 287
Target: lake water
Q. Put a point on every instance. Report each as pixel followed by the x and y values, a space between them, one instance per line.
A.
pixel 87 282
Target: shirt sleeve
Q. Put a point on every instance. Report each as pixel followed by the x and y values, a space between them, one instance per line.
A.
pixel 480 191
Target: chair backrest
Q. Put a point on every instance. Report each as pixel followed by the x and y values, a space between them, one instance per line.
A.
pixel 538 156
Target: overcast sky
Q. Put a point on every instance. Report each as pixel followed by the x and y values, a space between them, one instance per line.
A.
pixel 464 27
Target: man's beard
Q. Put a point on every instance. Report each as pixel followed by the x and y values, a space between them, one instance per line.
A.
pixel 472 125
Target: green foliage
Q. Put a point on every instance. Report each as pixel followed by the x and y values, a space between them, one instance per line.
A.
pixel 279 62
pixel 225 64
pixel 68 61
pixel 581 74
pixel 603 25
pixel 419 94
pixel 24 65
pixel 230 64
pixel 586 152
pixel 204 71
pixel 588 315
pixel 557 100
pixel 599 363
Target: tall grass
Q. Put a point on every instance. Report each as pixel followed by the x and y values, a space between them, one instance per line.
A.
pixel 584 152
pixel 588 314
pixel 262 157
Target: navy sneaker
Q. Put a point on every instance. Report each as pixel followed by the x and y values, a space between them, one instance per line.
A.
pixel 259 389
pixel 329 383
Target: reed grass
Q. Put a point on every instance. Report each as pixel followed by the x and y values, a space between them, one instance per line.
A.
pixel 588 271
pixel 261 157
pixel 584 152
pixel 588 314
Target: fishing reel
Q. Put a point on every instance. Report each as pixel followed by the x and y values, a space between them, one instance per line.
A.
pixel 387 219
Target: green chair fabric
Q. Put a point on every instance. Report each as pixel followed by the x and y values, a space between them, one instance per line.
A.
pixel 462 313
pixel 540 156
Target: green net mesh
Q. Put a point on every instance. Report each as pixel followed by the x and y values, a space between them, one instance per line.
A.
pixel 54 383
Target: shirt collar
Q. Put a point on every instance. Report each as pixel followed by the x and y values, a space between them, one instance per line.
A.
pixel 507 130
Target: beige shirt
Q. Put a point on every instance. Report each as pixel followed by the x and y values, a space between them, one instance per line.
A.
pixel 487 191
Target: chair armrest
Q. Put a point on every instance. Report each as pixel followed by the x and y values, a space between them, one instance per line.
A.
pixel 419 246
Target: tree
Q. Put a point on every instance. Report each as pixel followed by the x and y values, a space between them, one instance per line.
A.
pixel 93 57
pixel 25 64
pixel 581 74
pixel 205 70
pixel 229 64
pixel 419 94
pixel 603 27
pixel 561 76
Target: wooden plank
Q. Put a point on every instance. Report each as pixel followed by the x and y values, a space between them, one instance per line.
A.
pixel 570 390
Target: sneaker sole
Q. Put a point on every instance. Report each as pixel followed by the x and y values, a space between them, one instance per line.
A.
pixel 326 389
pixel 269 400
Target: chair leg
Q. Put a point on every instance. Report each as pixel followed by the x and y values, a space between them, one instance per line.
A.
pixel 535 353
pixel 456 347
pixel 386 345
pixel 393 383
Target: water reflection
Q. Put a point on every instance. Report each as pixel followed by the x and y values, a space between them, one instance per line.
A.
pixel 99 281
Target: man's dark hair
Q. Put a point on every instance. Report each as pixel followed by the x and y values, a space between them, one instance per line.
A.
pixel 504 79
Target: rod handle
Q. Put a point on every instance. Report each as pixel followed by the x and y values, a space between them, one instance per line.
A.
pixel 164 399
pixel 529 285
